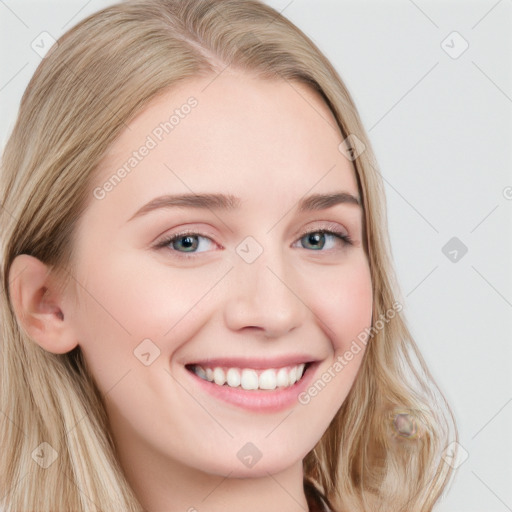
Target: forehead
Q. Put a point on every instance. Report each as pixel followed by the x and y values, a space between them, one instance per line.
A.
pixel 231 131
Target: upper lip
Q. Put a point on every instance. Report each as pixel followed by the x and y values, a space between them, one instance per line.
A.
pixel 258 363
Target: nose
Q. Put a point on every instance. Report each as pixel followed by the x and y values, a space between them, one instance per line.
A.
pixel 264 296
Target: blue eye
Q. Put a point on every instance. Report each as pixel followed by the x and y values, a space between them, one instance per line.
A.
pixel 188 243
pixel 317 239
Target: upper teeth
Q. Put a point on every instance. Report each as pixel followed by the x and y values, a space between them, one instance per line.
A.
pixel 250 379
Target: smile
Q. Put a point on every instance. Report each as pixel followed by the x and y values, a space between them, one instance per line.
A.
pixel 257 385
pixel 250 379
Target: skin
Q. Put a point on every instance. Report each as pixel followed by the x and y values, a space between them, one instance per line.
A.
pixel 270 144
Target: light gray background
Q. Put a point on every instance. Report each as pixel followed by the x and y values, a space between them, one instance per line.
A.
pixel 441 128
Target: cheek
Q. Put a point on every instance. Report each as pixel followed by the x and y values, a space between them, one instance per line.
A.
pixel 343 305
pixel 343 302
pixel 163 303
pixel 132 300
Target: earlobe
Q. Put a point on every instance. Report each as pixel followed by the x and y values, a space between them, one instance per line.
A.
pixel 37 303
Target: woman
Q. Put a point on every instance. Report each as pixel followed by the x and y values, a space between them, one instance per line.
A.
pixel 200 312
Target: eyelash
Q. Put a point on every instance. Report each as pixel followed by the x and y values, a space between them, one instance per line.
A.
pixel 345 239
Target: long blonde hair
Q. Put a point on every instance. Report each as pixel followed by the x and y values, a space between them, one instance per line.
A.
pixel 98 76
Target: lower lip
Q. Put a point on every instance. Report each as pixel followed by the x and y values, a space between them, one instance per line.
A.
pixel 257 400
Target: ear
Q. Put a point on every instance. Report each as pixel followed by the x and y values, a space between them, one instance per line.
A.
pixel 38 304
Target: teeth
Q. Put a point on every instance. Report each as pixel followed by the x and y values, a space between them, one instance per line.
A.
pixel 293 376
pixel 282 378
pixel 249 379
pixel 233 378
pixel 219 376
pixel 268 380
pixel 201 373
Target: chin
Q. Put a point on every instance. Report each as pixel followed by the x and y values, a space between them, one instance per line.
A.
pixel 251 462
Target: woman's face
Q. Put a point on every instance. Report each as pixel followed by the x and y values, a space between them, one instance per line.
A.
pixel 244 295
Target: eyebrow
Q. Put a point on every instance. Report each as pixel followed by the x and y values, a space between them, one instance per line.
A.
pixel 229 202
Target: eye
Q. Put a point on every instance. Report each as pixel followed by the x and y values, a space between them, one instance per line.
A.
pixel 318 239
pixel 189 241
pixel 186 244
